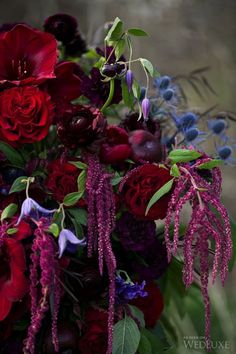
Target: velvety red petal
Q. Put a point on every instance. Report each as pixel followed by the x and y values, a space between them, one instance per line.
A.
pixel 5 306
pixel 24 231
pixel 16 287
pixel 16 254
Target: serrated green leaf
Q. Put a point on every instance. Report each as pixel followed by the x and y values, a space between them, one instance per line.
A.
pixel 54 229
pixel 126 337
pixel 210 164
pixel 80 165
pixel 145 346
pixel 183 155
pixel 72 198
pixel 138 314
pixel 12 155
pixel 12 231
pixel 147 65
pixel 9 211
pixel 174 171
pixel 19 184
pixel 162 191
pixel 127 96
pixel 137 32
pixel 120 48
pixel 115 31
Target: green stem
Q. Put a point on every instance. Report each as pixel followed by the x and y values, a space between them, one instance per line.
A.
pixel 110 97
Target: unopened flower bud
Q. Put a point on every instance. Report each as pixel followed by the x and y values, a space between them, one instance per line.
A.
pixel 145 108
pixel 129 79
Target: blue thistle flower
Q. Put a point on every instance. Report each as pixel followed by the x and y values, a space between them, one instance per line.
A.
pixel 217 126
pixel 162 82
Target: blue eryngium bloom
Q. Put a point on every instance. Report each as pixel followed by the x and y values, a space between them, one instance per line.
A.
pixel 129 79
pixel 185 121
pixel 217 126
pixel 68 239
pixel 162 82
pixel 145 108
pixel 126 290
pixel 29 207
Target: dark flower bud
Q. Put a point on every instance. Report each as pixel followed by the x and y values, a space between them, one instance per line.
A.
pixel 168 94
pixel 62 26
pixel 76 47
pixel 145 108
pixel 129 79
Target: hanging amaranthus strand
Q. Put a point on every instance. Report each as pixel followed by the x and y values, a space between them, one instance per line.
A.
pixel 43 259
pixel 209 220
pixel 101 222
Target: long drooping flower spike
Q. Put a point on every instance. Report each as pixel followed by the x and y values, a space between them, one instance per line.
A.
pixel 101 222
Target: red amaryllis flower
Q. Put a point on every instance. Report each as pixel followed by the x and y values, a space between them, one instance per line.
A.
pixel 80 126
pixel 62 179
pixel 116 147
pixel 151 305
pixel 94 339
pixel 13 283
pixel 141 185
pixel 28 56
pixel 25 115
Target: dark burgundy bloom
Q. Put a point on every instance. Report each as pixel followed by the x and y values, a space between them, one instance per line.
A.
pixel 116 147
pixel 62 179
pixel 28 56
pixel 152 305
pixel 98 91
pixel 94 339
pixel 141 185
pixel 132 122
pixel 13 283
pixel 80 126
pixel 62 26
pixel 145 146
pixel 25 115
pixel 76 47
pixel 135 235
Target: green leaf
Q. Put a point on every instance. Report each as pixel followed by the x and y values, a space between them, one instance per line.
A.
pixel 126 337
pixel 115 31
pixel 9 211
pixel 80 165
pixel 54 229
pixel 147 65
pixel 120 48
pixel 79 214
pixel 233 259
pixel 72 198
pixel 138 314
pixel 12 155
pixel 136 89
pixel 116 179
pixel 138 32
pixel 99 64
pixel 174 171
pixel 145 346
pixel 19 184
pixel 81 181
pixel 127 96
pixel 210 164
pixel 162 191
pixel 157 346
pixel 12 231
pixel 183 155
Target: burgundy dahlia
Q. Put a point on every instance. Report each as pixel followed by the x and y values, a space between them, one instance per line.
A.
pixel 62 26
pixel 80 126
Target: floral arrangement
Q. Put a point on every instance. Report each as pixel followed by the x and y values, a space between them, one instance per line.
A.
pixel 95 171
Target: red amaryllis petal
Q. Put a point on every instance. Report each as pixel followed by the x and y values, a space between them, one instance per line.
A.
pixel 16 287
pixel 28 56
pixel 24 231
pixel 16 255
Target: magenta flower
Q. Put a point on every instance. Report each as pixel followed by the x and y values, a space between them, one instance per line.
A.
pixel 68 240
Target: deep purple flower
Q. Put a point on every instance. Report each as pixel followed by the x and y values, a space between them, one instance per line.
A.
pixel 62 26
pixel 135 235
pixel 126 290
pixel 29 207
pixel 68 239
pixel 76 47
pixel 145 108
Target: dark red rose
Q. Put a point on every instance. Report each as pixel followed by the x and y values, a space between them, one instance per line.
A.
pixel 141 186
pixel 94 339
pixel 13 283
pixel 145 146
pixel 116 147
pixel 28 56
pixel 62 26
pixel 80 126
pixel 151 305
pixel 62 179
pixel 25 115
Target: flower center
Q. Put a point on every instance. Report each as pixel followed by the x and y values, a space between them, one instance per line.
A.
pixel 20 69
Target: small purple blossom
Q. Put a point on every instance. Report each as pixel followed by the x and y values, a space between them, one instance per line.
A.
pixel 145 108
pixel 29 206
pixel 129 79
pixel 127 290
pixel 67 239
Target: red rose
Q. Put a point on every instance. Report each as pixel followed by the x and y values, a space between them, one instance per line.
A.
pixel 141 186
pixel 62 179
pixel 116 148
pixel 151 305
pixel 94 339
pixel 25 115
pixel 28 56
pixel 13 283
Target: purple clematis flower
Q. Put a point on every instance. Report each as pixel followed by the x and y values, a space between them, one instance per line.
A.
pixel 29 206
pixel 68 239
pixel 127 291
